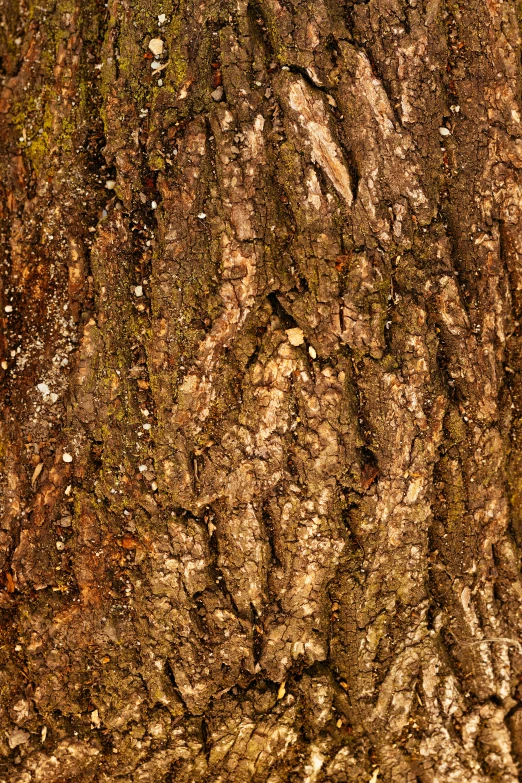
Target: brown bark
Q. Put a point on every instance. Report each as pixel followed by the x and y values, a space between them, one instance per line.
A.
pixel 261 487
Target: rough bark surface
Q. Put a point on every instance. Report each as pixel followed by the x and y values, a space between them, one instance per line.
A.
pixel 262 365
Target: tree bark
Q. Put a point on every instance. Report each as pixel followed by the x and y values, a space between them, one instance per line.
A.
pixel 262 374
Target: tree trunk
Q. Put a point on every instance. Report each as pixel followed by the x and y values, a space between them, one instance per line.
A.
pixel 262 364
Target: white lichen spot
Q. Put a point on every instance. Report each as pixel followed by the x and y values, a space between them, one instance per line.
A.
pixel 295 336
pixel 414 490
pixel 156 46
pixel 314 765
pixel 18 737
pixel 314 197
pixel 43 389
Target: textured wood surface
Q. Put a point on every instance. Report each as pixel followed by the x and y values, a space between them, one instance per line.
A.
pixel 261 374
